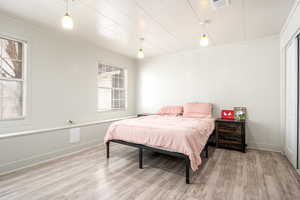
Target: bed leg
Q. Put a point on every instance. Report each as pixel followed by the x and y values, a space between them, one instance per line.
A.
pixel 187 170
pixel 107 149
pixel 140 158
pixel 206 150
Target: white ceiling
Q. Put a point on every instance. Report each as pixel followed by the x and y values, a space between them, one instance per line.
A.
pixel 166 25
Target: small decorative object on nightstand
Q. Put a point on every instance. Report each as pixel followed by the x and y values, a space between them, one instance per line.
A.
pixel 240 113
pixel 227 114
pixel 231 134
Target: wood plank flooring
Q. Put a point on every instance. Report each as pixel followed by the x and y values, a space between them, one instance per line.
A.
pixel 89 175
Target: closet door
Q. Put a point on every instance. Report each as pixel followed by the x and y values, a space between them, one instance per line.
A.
pixel 291 141
pixel 298 62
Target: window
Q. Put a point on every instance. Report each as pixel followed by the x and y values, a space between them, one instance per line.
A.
pixel 111 88
pixel 12 79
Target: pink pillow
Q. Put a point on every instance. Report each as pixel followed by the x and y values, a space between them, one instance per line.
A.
pixel 171 110
pixel 197 110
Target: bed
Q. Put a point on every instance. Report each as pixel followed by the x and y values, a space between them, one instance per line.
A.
pixel 179 136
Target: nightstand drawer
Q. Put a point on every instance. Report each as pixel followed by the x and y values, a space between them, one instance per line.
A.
pixel 229 127
pixel 230 137
pixel 233 130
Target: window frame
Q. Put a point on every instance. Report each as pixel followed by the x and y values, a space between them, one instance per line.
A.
pixel 125 89
pixel 23 80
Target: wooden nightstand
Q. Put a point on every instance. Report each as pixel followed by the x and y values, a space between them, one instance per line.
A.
pixel 231 134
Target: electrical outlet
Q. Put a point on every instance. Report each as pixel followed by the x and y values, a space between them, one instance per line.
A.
pixel 74 135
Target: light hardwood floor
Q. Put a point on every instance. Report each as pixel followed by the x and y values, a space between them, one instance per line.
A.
pixel 89 175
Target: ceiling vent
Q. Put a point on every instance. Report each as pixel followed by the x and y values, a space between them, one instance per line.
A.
pixel 220 3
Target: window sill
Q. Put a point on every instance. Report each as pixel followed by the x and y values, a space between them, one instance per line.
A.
pixel 12 119
pixel 112 110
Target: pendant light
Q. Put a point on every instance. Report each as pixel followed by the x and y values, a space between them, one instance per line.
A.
pixel 204 40
pixel 67 21
pixel 141 53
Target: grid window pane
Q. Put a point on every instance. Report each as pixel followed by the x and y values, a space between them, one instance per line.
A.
pixel 122 94
pixel 11 69
pixel 116 94
pixel 112 78
pixel 116 104
pixel 104 80
pixel 11 99
pixel 11 79
pixel 122 103
pixel 104 99
pixel 121 83
pixel 11 49
pixel 115 81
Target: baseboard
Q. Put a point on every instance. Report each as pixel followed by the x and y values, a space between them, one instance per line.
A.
pixel 36 160
pixel 264 147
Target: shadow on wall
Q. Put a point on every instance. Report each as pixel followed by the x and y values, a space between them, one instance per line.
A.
pixel 216 111
pixel 252 128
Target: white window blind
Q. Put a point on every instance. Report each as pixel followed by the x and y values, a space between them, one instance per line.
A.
pixel 112 93
pixel 12 79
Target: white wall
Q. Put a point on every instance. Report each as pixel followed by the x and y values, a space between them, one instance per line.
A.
pixel 292 25
pixel 289 31
pixel 62 74
pixel 241 74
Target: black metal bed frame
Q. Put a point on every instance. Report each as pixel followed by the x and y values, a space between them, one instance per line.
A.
pixel 153 149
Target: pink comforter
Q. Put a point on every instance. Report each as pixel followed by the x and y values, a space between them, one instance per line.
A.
pixel 179 134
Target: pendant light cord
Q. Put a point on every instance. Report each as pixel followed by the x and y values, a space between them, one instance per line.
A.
pixel 142 40
pixel 203 23
pixel 194 11
pixel 68 6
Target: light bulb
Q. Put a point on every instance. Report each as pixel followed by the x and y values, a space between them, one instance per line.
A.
pixel 204 41
pixel 67 21
pixel 141 54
